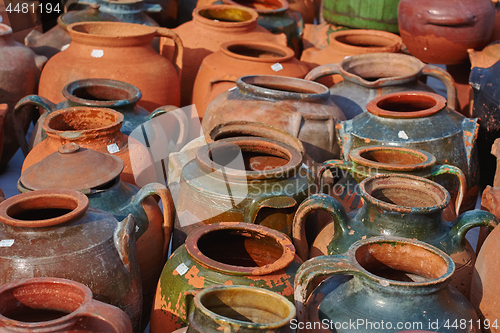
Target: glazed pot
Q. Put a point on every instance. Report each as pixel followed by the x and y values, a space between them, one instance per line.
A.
pixel 223 253
pixel 118 51
pixel 296 106
pixel 241 179
pixel 72 241
pixel 97 129
pixel 383 280
pixel 52 305
pixel 440 32
pixel 367 76
pixel 220 70
pixel 418 120
pixel 396 205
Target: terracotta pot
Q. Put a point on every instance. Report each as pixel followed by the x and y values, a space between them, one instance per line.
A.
pixel 382 281
pixel 53 305
pixel 440 32
pixel 296 106
pixel 118 51
pixel 367 76
pixel 223 253
pixel 72 241
pixel 210 28
pixel 97 129
pixel 220 70
pixel 485 58
pixel 399 120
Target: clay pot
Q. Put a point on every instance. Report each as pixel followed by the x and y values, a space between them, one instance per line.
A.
pixel 223 253
pixel 485 58
pixel 53 305
pixel 418 120
pixel 440 32
pixel 118 51
pixel 220 70
pixel 97 129
pixel 387 280
pixel 17 80
pixel 296 106
pixel 72 241
pixel 366 76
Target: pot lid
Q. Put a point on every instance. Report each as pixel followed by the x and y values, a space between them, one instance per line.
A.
pixel 91 14
pixel 72 167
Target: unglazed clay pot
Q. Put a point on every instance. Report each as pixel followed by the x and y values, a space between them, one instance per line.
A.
pixel 72 241
pixel 440 32
pixel 55 305
pixel 296 106
pixel 367 76
pixel 97 129
pixel 387 280
pixel 418 120
pixel 223 253
pixel 118 51
pixel 220 70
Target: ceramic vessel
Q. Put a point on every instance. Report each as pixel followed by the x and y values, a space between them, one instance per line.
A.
pixel 53 305
pixel 118 51
pixel 296 106
pixel 367 76
pixel 223 253
pixel 220 70
pixel 409 278
pixel 73 241
pixel 440 32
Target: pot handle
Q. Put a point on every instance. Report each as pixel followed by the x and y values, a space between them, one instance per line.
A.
pixel 110 314
pixel 124 238
pixel 277 202
pixel 453 170
pixel 178 51
pixel 443 76
pixel 331 164
pixel 469 220
pixel 181 119
pixel 314 202
pixel 224 78
pixel 323 70
pixel 448 21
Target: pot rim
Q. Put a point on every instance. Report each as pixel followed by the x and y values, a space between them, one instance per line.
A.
pixel 264 45
pixel 436 103
pixel 198 18
pixel 5 30
pixel 284 7
pixel 131 34
pixel 373 34
pixel 428 160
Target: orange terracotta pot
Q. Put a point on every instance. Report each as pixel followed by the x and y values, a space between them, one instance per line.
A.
pixel 220 70
pixel 118 51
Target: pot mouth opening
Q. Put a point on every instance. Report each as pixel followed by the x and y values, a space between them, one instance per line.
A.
pixel 406 105
pixel 82 119
pixel 283 87
pixel 226 14
pixel 257 51
pixel 262 6
pixel 367 39
pixel 102 92
pixel 113 30
pixel 393 158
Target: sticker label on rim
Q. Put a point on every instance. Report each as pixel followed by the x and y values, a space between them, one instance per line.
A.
pixel 6 242
pixel 113 148
pixel 182 269
pixel 277 67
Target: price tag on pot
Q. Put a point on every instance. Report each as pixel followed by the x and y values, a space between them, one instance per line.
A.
pixel 113 148
pixel 6 242
pixel 182 269
pixel 64 47
pixel 277 67
pixel 97 53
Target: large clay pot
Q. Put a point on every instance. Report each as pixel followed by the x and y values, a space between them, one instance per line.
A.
pixel 396 205
pixel 440 32
pixel 74 242
pixel 220 70
pixel 388 281
pixel 367 76
pixel 418 120
pixel 223 253
pixel 118 51
pixel 53 305
pixel 296 106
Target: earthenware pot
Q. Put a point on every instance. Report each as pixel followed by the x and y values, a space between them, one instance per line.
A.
pixel 220 70
pixel 118 51
pixel 72 241
pixel 381 281
pixel 367 76
pixel 296 106
pixel 52 305
pixel 223 253
pixel 440 32
pixel 397 205
pixel 418 120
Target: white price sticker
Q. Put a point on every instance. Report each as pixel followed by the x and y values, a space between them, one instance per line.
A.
pixel 277 67
pixel 113 148
pixel 6 242
pixel 182 269
pixel 97 53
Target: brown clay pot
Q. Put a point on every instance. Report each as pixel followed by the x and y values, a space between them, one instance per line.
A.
pixel 220 70
pixel 55 305
pixel 440 32
pixel 119 51
pixel 97 129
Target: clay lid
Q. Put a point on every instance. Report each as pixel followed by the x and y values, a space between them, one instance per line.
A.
pixel 72 168
pixel 91 14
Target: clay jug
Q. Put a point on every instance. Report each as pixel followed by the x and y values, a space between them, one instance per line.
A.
pixel 418 120
pixel 220 70
pixel 387 281
pixel 367 76
pixel 440 32
pixel 397 205
pixel 118 51
pixel 223 253
pixel 72 241
pixel 53 305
